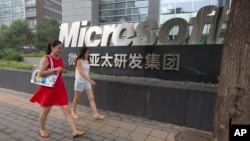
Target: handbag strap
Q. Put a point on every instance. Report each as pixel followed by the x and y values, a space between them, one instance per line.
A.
pixel 51 62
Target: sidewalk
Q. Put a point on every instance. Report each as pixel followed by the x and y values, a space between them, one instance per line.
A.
pixel 19 122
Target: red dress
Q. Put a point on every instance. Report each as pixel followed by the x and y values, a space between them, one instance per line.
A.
pixel 56 96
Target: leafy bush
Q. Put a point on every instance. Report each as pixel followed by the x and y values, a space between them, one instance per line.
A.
pixel 15 65
pixel 34 54
pixel 19 65
pixel 11 55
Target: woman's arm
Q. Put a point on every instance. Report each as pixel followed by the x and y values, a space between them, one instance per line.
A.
pixel 43 71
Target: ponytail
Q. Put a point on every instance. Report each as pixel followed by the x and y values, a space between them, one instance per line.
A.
pixel 52 44
pixel 49 49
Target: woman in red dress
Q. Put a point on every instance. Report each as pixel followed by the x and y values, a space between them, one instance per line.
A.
pixel 56 96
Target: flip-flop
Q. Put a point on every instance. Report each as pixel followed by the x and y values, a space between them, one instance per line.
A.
pixel 79 133
pixel 44 133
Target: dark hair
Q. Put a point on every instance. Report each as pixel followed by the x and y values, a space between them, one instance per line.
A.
pixel 52 44
pixel 81 53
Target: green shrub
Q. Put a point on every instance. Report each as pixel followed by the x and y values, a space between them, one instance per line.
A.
pixel 34 54
pixel 15 65
pixel 10 55
pixel 19 65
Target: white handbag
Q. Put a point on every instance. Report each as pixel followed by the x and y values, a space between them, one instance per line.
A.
pixel 48 81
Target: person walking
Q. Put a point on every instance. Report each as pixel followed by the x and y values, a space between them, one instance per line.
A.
pixel 53 96
pixel 83 83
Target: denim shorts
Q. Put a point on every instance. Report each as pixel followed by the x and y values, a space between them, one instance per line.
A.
pixel 81 86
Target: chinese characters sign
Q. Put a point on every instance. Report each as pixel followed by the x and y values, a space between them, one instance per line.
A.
pixel 175 62
pixel 151 61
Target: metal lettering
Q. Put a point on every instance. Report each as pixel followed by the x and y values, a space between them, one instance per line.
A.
pixel 171 62
pixel 92 35
pixel 82 33
pixel 69 38
pixel 107 34
pixel 152 61
pixel 136 61
pixel 123 34
pixel 203 17
pixel 94 60
pixel 145 30
pixel 166 28
pixel 221 18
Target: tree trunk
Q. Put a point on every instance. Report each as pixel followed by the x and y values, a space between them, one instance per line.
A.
pixel 233 97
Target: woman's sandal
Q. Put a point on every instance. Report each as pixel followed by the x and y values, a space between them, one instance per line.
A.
pixel 75 115
pixel 44 133
pixel 79 133
pixel 98 116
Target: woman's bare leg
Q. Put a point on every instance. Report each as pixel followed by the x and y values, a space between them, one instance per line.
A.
pixel 69 118
pixel 43 116
pixel 76 100
pixel 92 104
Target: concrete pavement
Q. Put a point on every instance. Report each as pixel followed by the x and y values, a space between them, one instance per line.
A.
pixel 19 122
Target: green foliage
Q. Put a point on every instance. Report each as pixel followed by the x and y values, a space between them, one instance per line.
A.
pixel 34 54
pixel 5 36
pixel 10 54
pixel 19 65
pixel 15 65
pixel 45 33
pixel 17 35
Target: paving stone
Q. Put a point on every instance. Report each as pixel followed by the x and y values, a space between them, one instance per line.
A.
pixel 19 120
pixel 150 138
pixel 8 131
pixel 56 136
pixel 108 129
pixel 27 138
pixel 159 134
pixel 128 126
pixel 93 131
pixel 127 121
pixel 66 139
pixel 58 130
pixel 124 117
pixel 137 120
pixel 171 137
pixel 154 126
pixel 17 135
pixel 34 128
pixel 95 125
pixel 107 136
pixel 32 133
pixel 150 122
pixel 23 129
pixel 94 137
pixel 115 118
pixel 120 139
pixel 137 136
pixel 5 137
pixel 3 127
pixel 123 133
pixel 143 130
pixel 107 140
pixel 170 130
pixel 164 125
pixel 140 123
pixel 60 125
